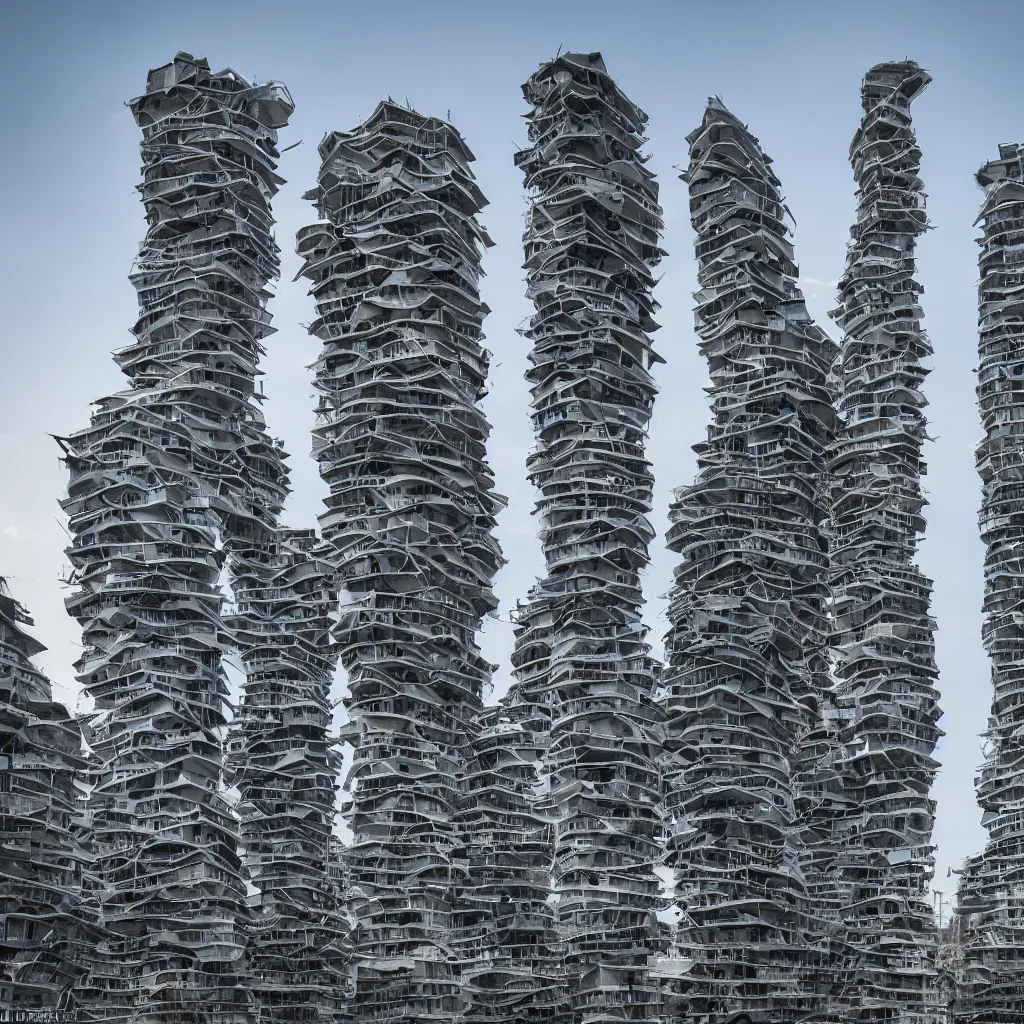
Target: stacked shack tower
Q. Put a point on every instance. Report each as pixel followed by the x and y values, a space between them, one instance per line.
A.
pixel 991 905
pixel 401 442
pixel 882 632
pixel 285 769
pixel 591 244
pixel 746 670
pixel 512 968
pixel 42 903
pixel 173 476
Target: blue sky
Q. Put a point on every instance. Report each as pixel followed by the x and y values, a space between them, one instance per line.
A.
pixel 792 70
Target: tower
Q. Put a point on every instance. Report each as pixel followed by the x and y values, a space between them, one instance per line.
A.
pixel 746 670
pixel 171 474
pixel 394 266
pixel 284 767
pixel 591 244
pixel 991 894
pixel 46 909
pixel 882 630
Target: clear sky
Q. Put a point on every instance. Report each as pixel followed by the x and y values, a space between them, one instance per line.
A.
pixel 72 222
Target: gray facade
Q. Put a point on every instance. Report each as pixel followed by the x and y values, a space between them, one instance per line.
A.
pixel 989 929
pixel 591 245
pixel 172 477
pixel 394 266
pixel 746 670
pixel 882 631
pixel 507 864
pixel 47 908
pixel 284 765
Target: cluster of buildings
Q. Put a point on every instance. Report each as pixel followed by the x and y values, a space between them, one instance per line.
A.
pixel 989 929
pixel 168 858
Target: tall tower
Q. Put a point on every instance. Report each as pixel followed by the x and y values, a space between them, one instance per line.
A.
pixel 746 672
pixel 991 903
pixel 882 632
pixel 170 475
pixel 401 442
pixel 47 921
pixel 512 965
pixel 591 244
pixel 285 769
